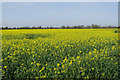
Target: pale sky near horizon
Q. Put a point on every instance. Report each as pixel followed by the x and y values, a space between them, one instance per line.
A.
pixel 17 14
pixel 60 0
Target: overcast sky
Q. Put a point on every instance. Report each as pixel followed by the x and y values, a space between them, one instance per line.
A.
pixel 16 14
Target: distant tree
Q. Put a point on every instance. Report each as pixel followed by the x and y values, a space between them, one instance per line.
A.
pixel 88 26
pixel 25 27
pixel 82 26
pixel 104 26
pixel 94 26
pixel 33 27
pixel 18 28
pixel 2 27
pixel 63 27
pixel 68 27
pixel 14 28
pixel 110 26
pixel 6 27
pixel 40 27
pixel 48 28
pixel 51 27
pixel 74 27
pixel 79 27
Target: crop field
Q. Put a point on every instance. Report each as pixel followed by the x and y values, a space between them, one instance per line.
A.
pixel 60 53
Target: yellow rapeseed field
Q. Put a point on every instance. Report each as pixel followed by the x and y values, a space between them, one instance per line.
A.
pixel 60 53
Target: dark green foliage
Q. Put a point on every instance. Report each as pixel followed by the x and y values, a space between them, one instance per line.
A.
pixel 34 36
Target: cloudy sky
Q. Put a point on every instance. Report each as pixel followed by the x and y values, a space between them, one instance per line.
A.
pixel 16 14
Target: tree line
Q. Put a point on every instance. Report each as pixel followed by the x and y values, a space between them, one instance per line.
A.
pixel 93 26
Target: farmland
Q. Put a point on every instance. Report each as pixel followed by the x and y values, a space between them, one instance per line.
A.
pixel 60 53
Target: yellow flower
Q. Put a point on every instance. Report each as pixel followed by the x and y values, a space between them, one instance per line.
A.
pixel 41 69
pixel 5 58
pixel 83 73
pixel 58 64
pixel 1 59
pixel 54 68
pixel 80 51
pixel 33 55
pixel 43 76
pixel 58 72
pixel 55 72
pixel 87 77
pixel 116 62
pixel 70 63
pixel 36 77
pixel 64 60
pixel 73 58
pixel 92 68
pixel 103 74
pixel 78 57
pixel 24 68
pixel 38 64
pixel 31 63
pixel 95 49
pixel 63 66
pixel 80 67
pixel 5 66
pixel 78 62
pixel 63 71
pixel 90 53
pixel 111 58
pixel 22 53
